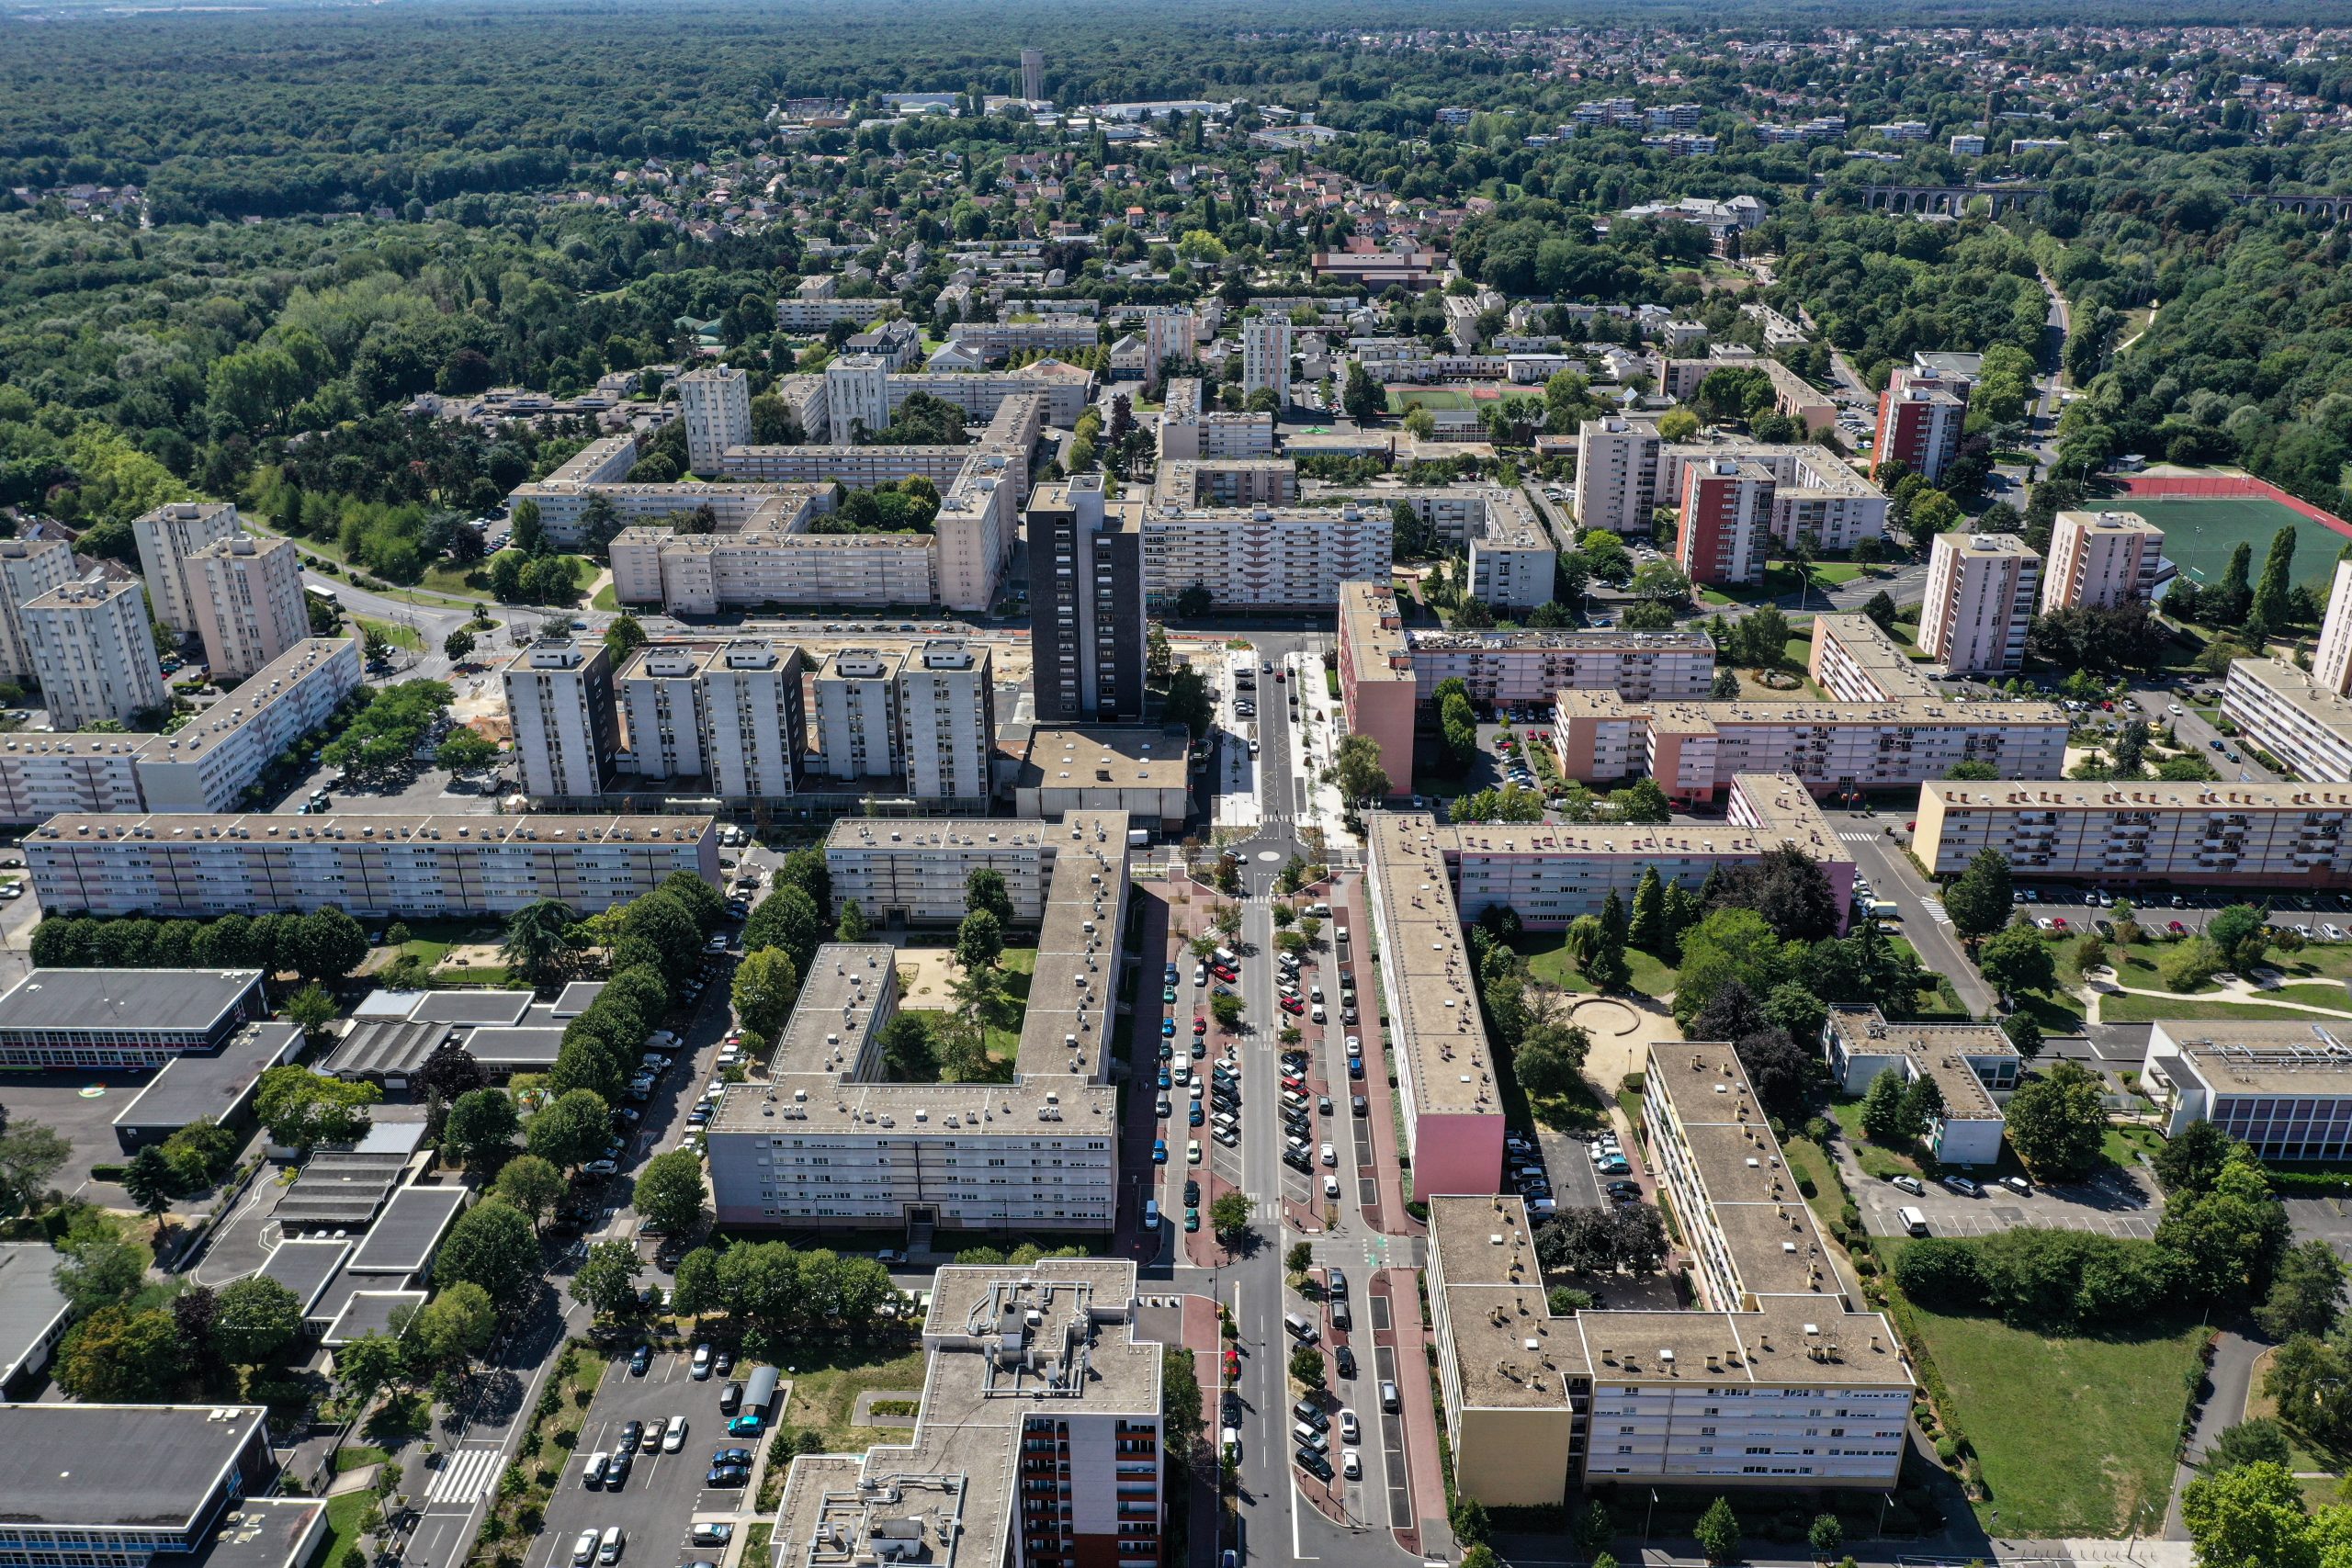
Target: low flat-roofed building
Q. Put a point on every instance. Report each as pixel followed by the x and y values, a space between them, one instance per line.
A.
pixel 1141 770
pixel 1038 1439
pixel 1693 750
pixel 1537 1406
pixel 217 1088
pixel 371 1312
pixel 2284 1089
pixel 267 1532
pixel 117 1485
pixel 370 867
pixel 306 1266
pixel 1973 1065
pixel 408 1232
pixel 2245 835
pixel 124 1018
pixel 2292 716
pixel 34 1315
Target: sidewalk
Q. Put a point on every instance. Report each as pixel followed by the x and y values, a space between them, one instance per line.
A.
pixel 1425 1473
pixel 1349 903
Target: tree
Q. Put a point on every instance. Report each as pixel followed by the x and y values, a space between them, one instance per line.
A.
pixel 453 1328
pixel 787 918
pixel 1307 1366
pixel 150 1181
pixel 979 940
pixel 532 1184
pixel 907 1053
pixel 457 645
pixel 1880 608
pixel 2191 1162
pixel 852 927
pixel 1826 1536
pixel 30 1153
pixel 1356 770
pixel 2306 1295
pixel 450 1071
pixel 1550 1058
pixel 119 1356
pixel 1980 898
pixel 491 1245
pixel 984 889
pixel 624 636
pixel 1641 802
pixel 1364 397
pixel 254 1320
pixel 1882 1118
pixel 1226 1009
pixel 571 1131
pixel 465 752
pixel 1230 1214
pixel 1647 931
pixel 1718 1532
pixel 2229 1238
pixel 540 940
pixel 193 1311
pixel 766 985
pixel 805 869
pixel 2250 1515
pixel 2015 958
pixel 2243 934
pixel 479 1132
pixel 1298 1258
pixel 2056 1123
pixel 2258 1441
pixel 312 1007
pixel 1678 424
pixel 2270 611
pixel 2024 1034
pixel 1786 887
pixel 669 1192
pixel 605 1281
pixel 301 1108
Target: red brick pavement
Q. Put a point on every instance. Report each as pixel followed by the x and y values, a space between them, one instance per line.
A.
pixel 1347 899
pixel 1425 1477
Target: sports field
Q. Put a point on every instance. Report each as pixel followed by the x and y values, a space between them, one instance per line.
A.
pixel 2201 531
pixel 1404 399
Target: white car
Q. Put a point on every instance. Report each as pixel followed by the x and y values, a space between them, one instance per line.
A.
pixel 1350 1465
pixel 2175 708
pixel 1330 1186
pixel 584 1550
pixel 1329 1156
pixel 2332 932
pixel 675 1438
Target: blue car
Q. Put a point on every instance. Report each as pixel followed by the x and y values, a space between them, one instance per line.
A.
pixel 1167 1026
pixel 1170 976
pixel 1160 1151
pixel 640 1360
pixel 1197 1117
pixel 1164 1080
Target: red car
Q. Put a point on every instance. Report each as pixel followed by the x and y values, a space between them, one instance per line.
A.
pixel 2176 928
pixel 1222 973
pixel 1232 1365
pixel 1292 1004
pixel 1200 1024
pixel 2058 922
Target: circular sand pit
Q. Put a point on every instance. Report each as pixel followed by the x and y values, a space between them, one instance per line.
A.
pixel 1601 1016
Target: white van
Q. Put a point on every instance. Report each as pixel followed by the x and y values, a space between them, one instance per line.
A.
pixel 1224 956
pixel 1913 1220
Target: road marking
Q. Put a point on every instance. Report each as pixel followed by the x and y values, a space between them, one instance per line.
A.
pixel 469 1473
pixel 1858 837
pixel 1935 908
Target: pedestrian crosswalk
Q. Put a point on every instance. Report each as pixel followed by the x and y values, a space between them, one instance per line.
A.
pixel 465 1476
pixel 1858 837
pixel 1935 908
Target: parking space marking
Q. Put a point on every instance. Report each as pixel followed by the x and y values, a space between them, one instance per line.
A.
pixel 469 1473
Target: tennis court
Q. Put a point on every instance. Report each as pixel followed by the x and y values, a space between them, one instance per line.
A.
pixel 2200 532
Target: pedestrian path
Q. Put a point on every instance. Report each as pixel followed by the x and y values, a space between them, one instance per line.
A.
pixel 465 1477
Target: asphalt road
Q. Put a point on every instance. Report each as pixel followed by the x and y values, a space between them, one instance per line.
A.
pixel 1923 921
pixel 2193 727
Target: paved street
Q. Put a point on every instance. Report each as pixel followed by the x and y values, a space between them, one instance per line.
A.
pixel 1923 923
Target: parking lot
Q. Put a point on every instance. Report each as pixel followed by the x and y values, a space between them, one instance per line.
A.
pixel 664 1492
pixel 2123 1205
pixel 2154 908
pixel 79 1104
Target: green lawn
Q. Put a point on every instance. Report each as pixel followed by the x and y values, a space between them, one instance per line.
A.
pixel 357 1456
pixel 1810 1162
pixel 343 1515
pixel 1547 960
pixel 2075 1436
pixel 605 599
pixel 827 1382
pixel 2148 1010
pixel 1019 965
pixel 1877 1162
pixel 393 632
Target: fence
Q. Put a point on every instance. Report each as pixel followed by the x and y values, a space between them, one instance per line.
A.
pixel 2221 485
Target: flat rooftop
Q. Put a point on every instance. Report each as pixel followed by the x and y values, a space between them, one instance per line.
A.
pixel 1434 1020
pixel 1136 757
pixel 1939 1050
pixel 171 1000
pixel 371 1312
pixel 2236 1058
pixel 306 1267
pixel 1766 1228
pixel 264 1532
pixel 407 1230
pixel 30 1302
pixel 117 1466
pixel 528 1048
pixel 846 983
pixel 2071 794
pixel 473 1006
pixel 174 827
pixel 190 1086
pixel 1865 643
pixel 1689 716
pixel 385 1047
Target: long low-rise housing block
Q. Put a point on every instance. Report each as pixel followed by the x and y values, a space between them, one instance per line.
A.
pixel 2252 835
pixel 370 867
pixel 2292 716
pixel 1695 749
pixel 1188 431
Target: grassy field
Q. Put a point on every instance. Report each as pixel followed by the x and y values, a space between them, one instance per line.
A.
pixel 1877 1162
pixel 2075 1436
pixel 2148 1010
pixel 1403 400
pixel 1547 960
pixel 824 1393
pixel 393 632
pixel 343 1515
pixel 2201 531
pixel 1019 965
pixel 1810 1162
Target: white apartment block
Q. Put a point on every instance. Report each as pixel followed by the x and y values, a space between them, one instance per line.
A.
pixel 93 653
pixel 1980 599
pixel 815 314
pixel 560 702
pixel 757 729
pixel 2100 560
pixel 1038 1441
pixel 863 392
pixel 371 867
pixel 1265 355
pixel 249 607
pixel 1227 482
pixel 167 537
pixel 1003 340
pixel 857 714
pixel 29 568
pixel 1974 1066
pixel 660 696
pixel 2253 835
pixel 1695 749
pixel 947 721
pixel 1260 557
pixel 2331 662
pixel 1166 334
pixel 1513 563
pixel 702 574
pixel 717 406
pixel 1188 430
pixel 207 765
pixel 2292 716
pixel 2285 1088
pixel 1617 474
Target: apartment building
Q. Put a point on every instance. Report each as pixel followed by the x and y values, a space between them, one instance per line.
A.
pixel 1617 474
pixel 857 714
pixel 1726 529
pixel 1227 482
pixel 1167 333
pixel 1142 770
pixel 1695 749
pixel 29 568
pixel 660 692
pixel 947 721
pixel 168 536
pixel 2101 560
pixel 560 702
pixel 1513 564
pixel 1980 599
pixel 249 607
pixel 1003 340
pixel 2249 835
pixel 1815 495
pixel 121 1485
pixel 1265 355
pixel 716 402
pixel 2292 716
pixel 210 763
pixel 2331 661
pixel 1974 1066
pixel 1189 430
pixel 1792 395
pixel 1920 415
pixel 596 468
pixel 1038 1442
pixel 815 312
pixel 1261 557
pixel 757 729
pixel 2284 1089
pixel 93 653
pixel 706 575
pixel 1086 604
pixel 1379 698
pixel 1855 660
pixel 370 867
pixel 862 391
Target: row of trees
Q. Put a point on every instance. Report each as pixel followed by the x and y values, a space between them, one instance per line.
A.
pixel 325 946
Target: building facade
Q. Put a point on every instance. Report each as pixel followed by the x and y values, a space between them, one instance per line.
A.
pixel 1265 355
pixel 249 607
pixel 2292 716
pixel 2331 661
pixel 1617 474
pixel 2284 1089
pixel 93 653
pixel 29 568
pixel 1920 415
pixel 2250 835
pixel 857 714
pixel 1086 604
pixel 2101 560
pixel 716 402
pixel 559 700
pixel 1980 599
pixel 168 536
pixel 1726 528
pixel 947 721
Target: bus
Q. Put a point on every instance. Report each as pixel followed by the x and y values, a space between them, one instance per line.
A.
pixel 326 596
